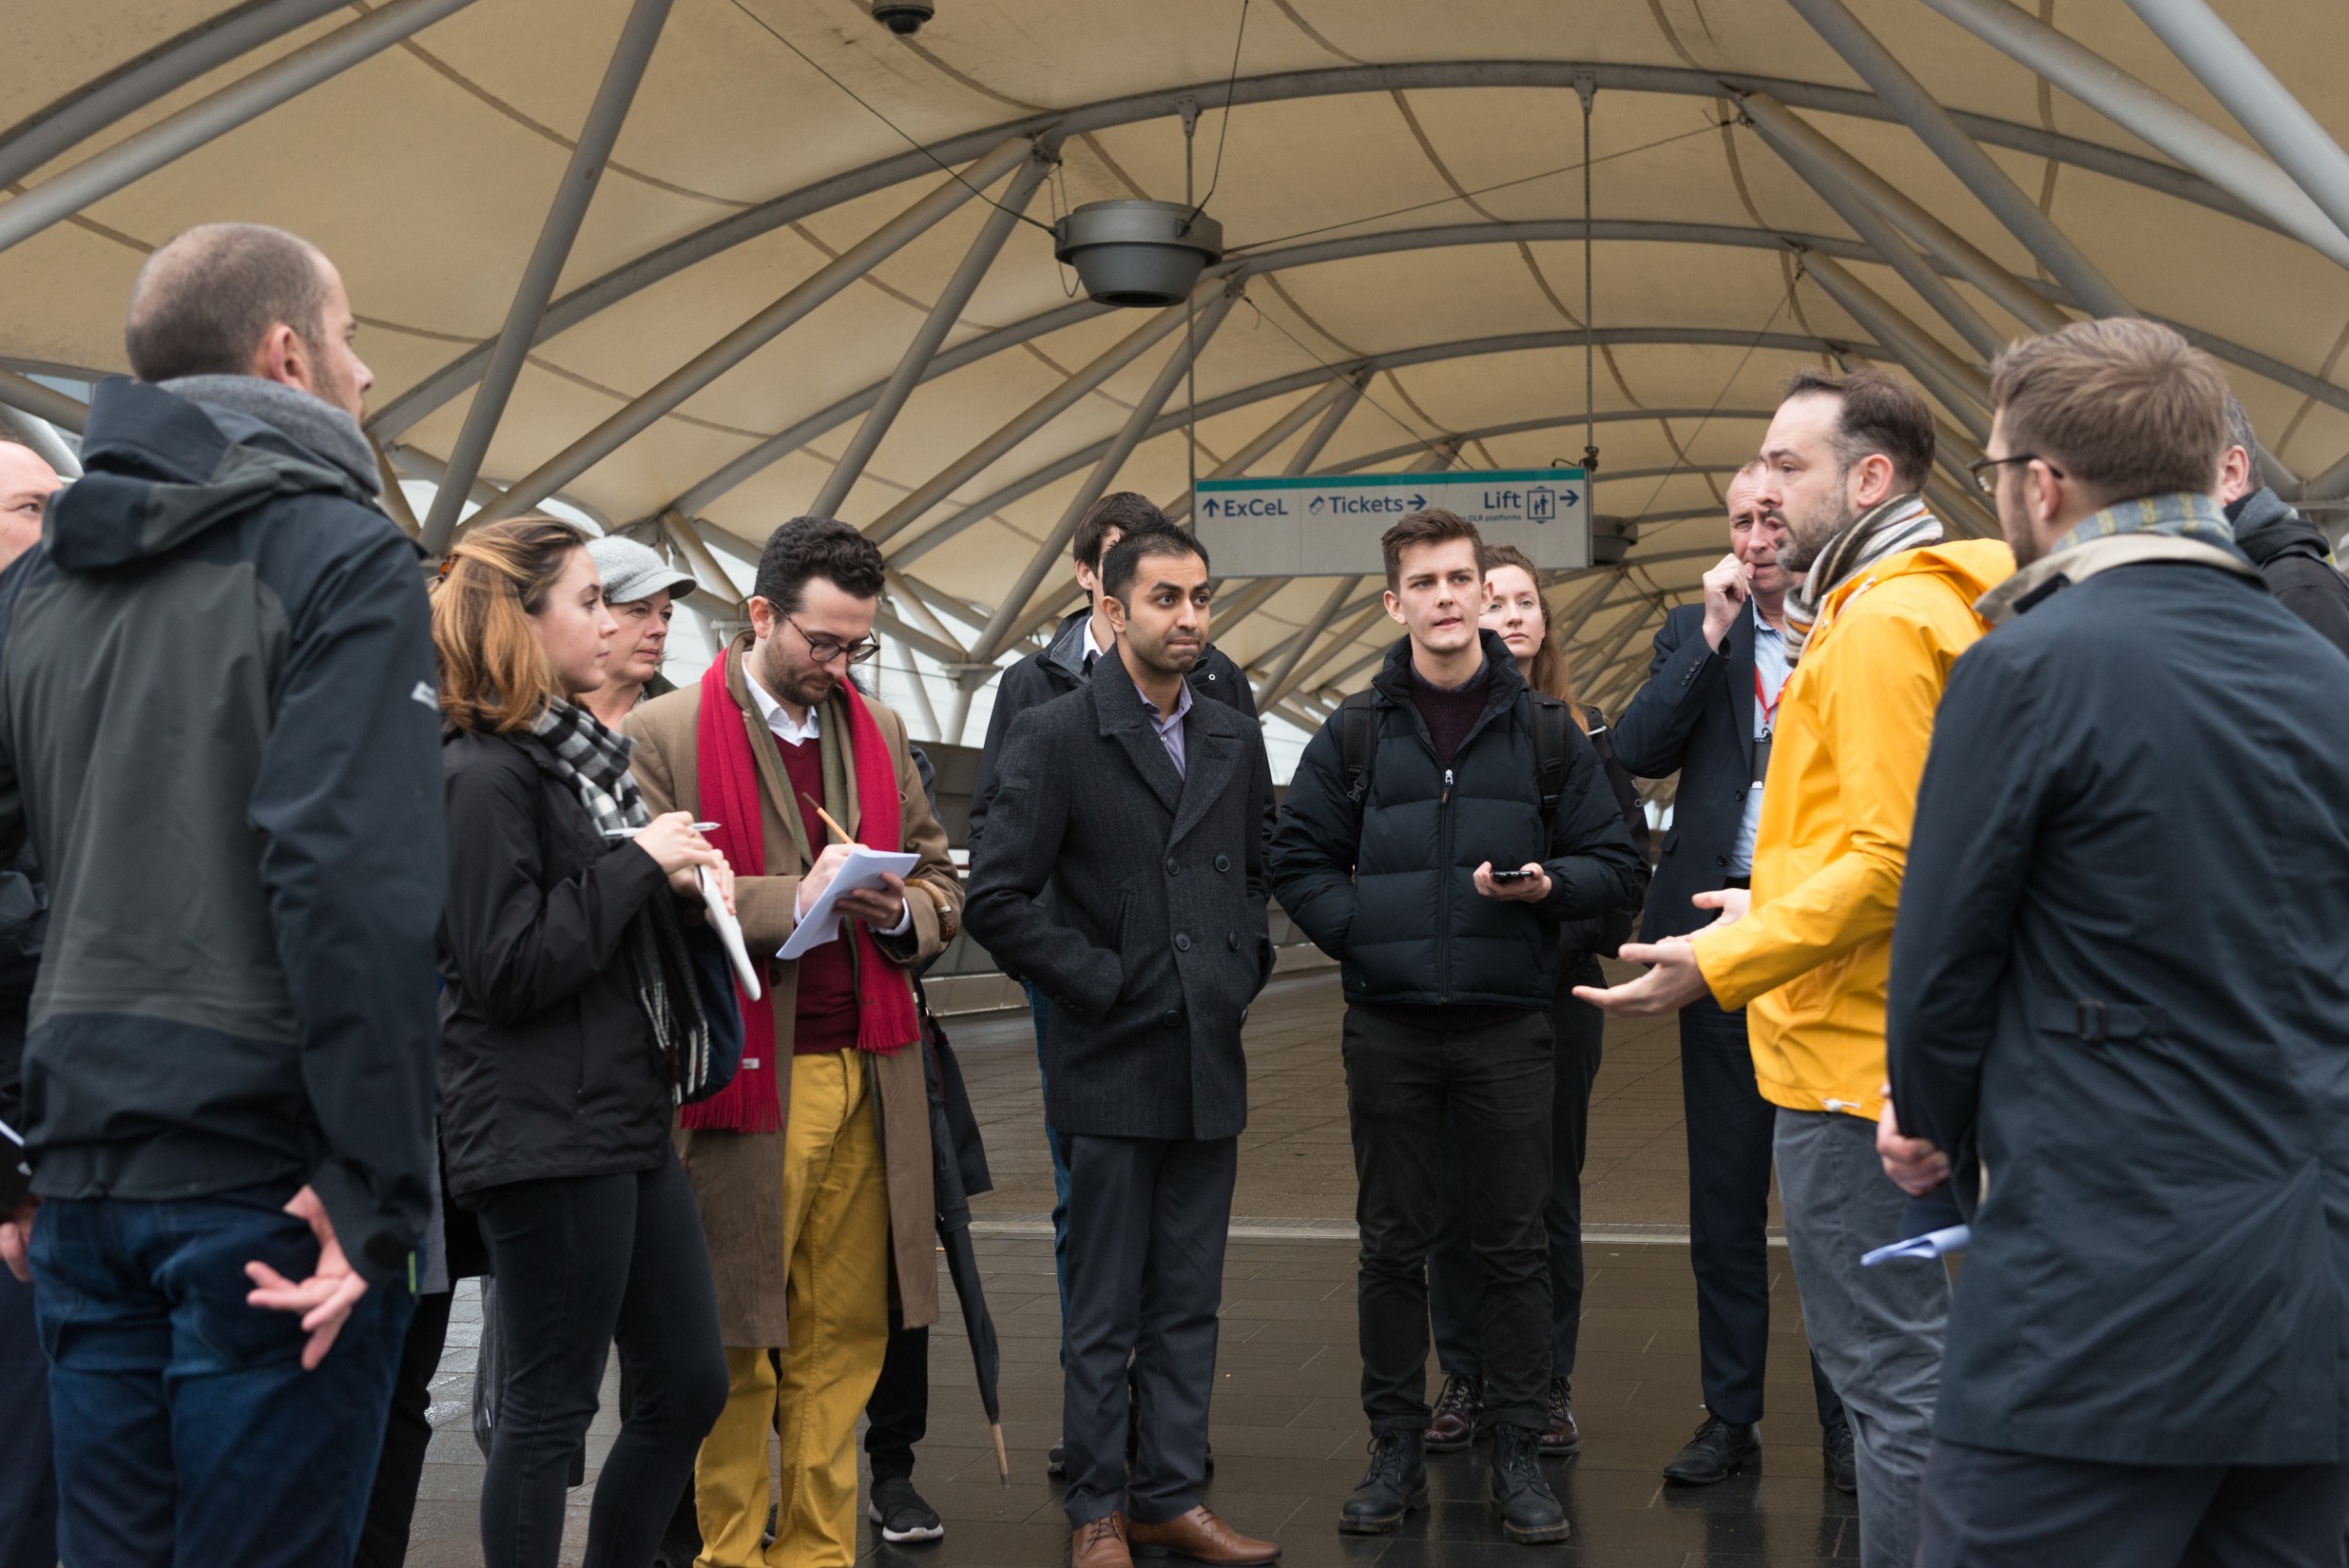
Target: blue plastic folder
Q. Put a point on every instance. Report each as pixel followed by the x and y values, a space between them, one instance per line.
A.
pixel 1933 1243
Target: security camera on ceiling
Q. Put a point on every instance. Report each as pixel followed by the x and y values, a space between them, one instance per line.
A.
pixel 904 17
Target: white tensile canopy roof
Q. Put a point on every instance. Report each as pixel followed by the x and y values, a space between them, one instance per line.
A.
pixel 1773 183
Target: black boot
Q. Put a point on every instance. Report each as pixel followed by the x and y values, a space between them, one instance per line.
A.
pixel 1395 1483
pixel 1529 1513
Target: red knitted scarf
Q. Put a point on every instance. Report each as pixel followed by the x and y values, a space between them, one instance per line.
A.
pixel 886 1022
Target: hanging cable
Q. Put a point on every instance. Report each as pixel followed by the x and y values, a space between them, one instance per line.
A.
pixel 1587 89
pixel 1230 85
pixel 1190 306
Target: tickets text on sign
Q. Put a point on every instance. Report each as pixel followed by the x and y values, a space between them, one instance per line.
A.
pixel 1328 526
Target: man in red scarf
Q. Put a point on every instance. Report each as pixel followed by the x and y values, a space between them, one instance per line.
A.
pixel 812 1168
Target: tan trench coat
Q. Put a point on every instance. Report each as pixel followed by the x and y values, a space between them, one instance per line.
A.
pixel 738 1177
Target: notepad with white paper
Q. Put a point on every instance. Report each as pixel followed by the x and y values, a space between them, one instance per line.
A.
pixel 863 869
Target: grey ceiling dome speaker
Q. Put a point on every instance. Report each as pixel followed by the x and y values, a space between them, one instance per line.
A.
pixel 1137 252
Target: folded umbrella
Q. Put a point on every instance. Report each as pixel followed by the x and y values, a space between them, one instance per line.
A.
pixel 953 1235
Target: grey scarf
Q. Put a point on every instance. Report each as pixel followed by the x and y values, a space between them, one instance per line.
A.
pixel 1900 524
pixel 313 424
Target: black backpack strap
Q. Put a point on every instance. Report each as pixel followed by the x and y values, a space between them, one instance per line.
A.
pixel 1551 719
pixel 1358 746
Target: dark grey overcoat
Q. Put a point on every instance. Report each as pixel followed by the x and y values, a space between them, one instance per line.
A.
pixel 1134 897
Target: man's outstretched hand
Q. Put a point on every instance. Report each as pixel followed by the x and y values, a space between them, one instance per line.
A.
pixel 1674 980
pixel 326 1298
pixel 1916 1165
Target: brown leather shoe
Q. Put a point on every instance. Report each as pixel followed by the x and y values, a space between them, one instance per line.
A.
pixel 1453 1427
pixel 1100 1543
pixel 1204 1538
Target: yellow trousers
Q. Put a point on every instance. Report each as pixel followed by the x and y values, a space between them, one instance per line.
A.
pixel 836 1234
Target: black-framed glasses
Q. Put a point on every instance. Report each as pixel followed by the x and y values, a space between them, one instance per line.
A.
pixel 1984 470
pixel 825 649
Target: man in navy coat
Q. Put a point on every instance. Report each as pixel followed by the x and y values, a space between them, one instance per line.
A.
pixel 2119 1003
pixel 1705 713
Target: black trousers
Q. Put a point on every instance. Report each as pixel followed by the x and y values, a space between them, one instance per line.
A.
pixel 1987 1508
pixel 1147 1220
pixel 28 1467
pixel 1405 1085
pixel 406 1434
pixel 1455 1286
pixel 1730 1127
pixel 583 1262
pixel 898 1413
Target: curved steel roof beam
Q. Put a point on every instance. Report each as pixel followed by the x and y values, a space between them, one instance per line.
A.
pixel 692 501
pixel 65 122
pixel 737 229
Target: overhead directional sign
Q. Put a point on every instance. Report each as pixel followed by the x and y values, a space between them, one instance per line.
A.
pixel 1330 526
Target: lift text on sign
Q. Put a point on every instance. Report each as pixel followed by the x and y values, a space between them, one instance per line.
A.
pixel 1330 526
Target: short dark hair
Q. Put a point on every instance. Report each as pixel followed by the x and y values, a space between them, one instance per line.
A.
pixel 2127 408
pixel 206 298
pixel 1433 527
pixel 1122 564
pixel 1880 413
pixel 1123 510
pixel 816 546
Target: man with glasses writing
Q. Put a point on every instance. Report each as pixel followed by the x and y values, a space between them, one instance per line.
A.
pixel 812 1168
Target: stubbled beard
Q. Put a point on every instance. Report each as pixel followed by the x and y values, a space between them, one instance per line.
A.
pixel 801 692
pixel 1159 659
pixel 1796 554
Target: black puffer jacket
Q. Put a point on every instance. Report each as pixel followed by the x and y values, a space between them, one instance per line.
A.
pixel 2292 555
pixel 548 1064
pixel 1389 889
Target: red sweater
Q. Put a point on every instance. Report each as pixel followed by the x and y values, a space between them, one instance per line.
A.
pixel 826 1015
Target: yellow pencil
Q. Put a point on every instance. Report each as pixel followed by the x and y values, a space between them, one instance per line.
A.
pixel 846 837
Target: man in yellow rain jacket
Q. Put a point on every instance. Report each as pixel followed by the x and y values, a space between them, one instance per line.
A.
pixel 1884 612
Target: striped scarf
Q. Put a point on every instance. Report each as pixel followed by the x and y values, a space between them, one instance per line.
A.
pixel 1900 524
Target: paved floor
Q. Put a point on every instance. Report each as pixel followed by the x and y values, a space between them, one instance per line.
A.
pixel 1288 1432
pixel 1296 1160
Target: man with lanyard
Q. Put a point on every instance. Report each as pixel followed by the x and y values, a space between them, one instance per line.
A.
pixel 1708 713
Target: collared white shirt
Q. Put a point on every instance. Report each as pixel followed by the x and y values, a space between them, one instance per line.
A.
pixel 1093 650
pixel 1771 669
pixel 794 732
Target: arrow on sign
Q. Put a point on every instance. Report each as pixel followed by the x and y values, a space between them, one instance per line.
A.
pixel 1208 507
pixel 1419 504
pixel 1571 497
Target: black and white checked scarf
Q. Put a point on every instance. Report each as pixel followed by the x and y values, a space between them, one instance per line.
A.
pixel 594 762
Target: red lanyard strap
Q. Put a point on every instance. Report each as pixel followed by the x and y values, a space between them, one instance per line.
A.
pixel 1769 704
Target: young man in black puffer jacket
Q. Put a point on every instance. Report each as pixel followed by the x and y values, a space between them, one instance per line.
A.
pixel 1436 878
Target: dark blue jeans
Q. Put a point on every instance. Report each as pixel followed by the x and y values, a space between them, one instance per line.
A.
pixel 186 1430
